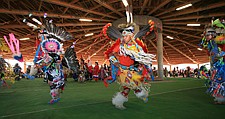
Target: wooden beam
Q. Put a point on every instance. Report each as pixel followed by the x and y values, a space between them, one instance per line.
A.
pixel 65 4
pixel 39 7
pixel 99 50
pixel 109 7
pixel 175 32
pixel 156 49
pixel 143 6
pixel 188 11
pixel 89 38
pixel 80 35
pixel 81 24
pixel 180 52
pixel 183 41
pixel 184 28
pixel 159 6
pixel 84 29
pixel 185 23
pixel 74 1
pixel 209 15
pixel 57 24
pixel 41 14
pixel 98 6
pixel 91 45
pixel 191 52
pixel 174 8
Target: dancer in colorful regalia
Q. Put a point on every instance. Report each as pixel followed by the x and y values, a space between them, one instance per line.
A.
pixel 6 72
pixel 127 50
pixel 3 70
pixel 214 42
pixel 48 54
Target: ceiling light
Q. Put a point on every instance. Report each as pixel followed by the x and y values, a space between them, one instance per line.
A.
pixel 169 37
pixel 125 3
pixel 199 49
pixel 182 7
pixel 89 20
pixel 193 24
pixel 24 38
pixel 90 34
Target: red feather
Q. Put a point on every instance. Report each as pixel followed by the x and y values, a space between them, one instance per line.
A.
pixel 140 43
pixel 110 50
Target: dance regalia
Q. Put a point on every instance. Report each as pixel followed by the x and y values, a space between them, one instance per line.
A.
pixel 48 53
pixel 2 72
pixel 123 69
pixel 214 42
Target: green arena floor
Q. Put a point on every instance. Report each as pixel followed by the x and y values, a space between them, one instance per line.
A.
pixel 179 98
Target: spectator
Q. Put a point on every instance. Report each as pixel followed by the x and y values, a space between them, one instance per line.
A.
pixel 95 72
pixel 28 69
pixel 165 72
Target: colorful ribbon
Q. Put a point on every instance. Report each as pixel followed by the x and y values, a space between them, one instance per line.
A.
pixel 13 44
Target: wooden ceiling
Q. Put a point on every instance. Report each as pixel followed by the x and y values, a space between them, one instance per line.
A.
pixel 66 13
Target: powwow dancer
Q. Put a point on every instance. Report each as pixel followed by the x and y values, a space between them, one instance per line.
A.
pixel 128 49
pixel 48 54
pixel 6 72
pixel 3 71
pixel 214 41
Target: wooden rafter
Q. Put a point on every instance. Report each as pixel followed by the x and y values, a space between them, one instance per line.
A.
pixel 183 28
pixel 80 35
pixel 41 14
pixel 143 6
pixel 101 48
pixel 174 8
pixel 91 45
pixel 74 1
pixel 109 7
pixel 175 32
pixel 180 52
pixel 81 24
pixel 57 24
pixel 185 23
pixel 88 39
pixel 193 55
pixel 156 49
pixel 159 6
pixel 84 29
pixel 65 4
pixel 188 11
pixel 183 41
pixel 209 15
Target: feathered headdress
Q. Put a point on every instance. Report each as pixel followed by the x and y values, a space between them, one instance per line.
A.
pixel 49 28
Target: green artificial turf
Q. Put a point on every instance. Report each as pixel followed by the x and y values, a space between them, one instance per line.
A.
pixel 179 98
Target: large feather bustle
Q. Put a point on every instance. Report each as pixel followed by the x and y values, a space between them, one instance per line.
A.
pixel 57 32
pixel 146 30
pixel 111 32
pixel 104 30
pixel 48 27
pixel 70 59
pixel 111 49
